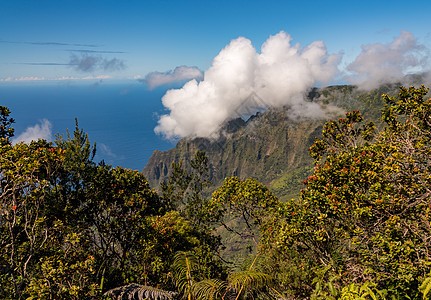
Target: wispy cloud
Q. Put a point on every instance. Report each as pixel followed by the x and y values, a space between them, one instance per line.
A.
pixel 42 64
pixel 33 133
pixel 382 63
pixel 100 77
pixel 95 51
pixel 90 63
pixel 105 150
pixel 62 78
pixel 85 63
pixel 181 73
pixel 49 43
pixel 83 60
pixel 25 78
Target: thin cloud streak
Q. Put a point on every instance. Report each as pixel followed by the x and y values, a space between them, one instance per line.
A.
pixel 24 78
pixel 63 78
pixel 85 63
pixel 95 51
pixel 42 64
pixel 50 44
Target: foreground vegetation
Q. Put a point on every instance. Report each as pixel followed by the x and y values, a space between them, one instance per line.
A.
pixel 75 229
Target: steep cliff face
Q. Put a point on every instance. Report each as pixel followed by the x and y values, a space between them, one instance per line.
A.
pixel 264 148
pixel 270 146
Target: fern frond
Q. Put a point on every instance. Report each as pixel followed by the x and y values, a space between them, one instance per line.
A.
pixel 209 289
pixel 184 264
pixel 250 280
pixel 425 287
pixel 139 292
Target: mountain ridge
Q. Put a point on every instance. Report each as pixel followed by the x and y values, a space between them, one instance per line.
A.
pixel 270 146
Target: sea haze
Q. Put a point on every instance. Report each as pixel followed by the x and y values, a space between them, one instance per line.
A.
pixel 120 118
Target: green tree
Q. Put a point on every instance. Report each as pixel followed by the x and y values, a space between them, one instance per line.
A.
pixel 76 173
pixel 242 208
pixel 118 206
pixel 66 270
pixel 44 251
pixel 197 199
pixel 248 200
pixel 71 228
pixel 109 206
pixel 6 129
pixel 364 213
pixel 186 191
pixel 25 210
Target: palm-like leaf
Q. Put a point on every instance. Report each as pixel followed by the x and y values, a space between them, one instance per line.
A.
pixel 250 281
pixel 209 289
pixel 184 264
pixel 246 282
pixel 139 292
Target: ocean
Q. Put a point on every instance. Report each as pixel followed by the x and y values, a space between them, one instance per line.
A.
pixel 119 117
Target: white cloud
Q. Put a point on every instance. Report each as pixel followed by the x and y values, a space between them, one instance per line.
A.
pixel 23 78
pixel 33 133
pixel 240 80
pixel 62 78
pixel 181 73
pixel 99 77
pixel 383 63
pixel 95 77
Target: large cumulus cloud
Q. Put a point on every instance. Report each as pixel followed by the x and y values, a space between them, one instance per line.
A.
pixel 278 76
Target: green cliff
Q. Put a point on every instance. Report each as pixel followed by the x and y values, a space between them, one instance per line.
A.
pixel 270 146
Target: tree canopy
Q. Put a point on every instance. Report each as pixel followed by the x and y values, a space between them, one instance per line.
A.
pixel 364 214
pixel 72 228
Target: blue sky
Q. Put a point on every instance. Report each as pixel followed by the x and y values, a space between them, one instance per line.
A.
pixel 129 39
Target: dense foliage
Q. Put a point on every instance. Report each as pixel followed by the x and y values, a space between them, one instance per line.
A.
pixel 74 229
pixel 364 215
pixel 71 228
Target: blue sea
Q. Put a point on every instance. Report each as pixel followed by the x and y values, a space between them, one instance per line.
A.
pixel 119 117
